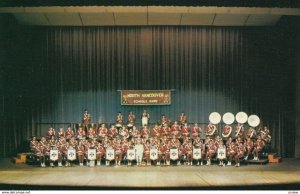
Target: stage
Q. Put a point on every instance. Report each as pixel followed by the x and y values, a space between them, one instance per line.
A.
pixel 285 175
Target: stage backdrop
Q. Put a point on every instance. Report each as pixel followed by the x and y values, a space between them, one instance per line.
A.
pixel 53 73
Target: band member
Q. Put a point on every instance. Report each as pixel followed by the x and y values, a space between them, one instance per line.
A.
pixel 64 152
pixel 135 133
pixel 231 151
pixel 228 142
pixel 61 133
pixel 125 147
pixel 39 152
pixel 226 131
pixel 80 149
pixel 250 132
pixel 188 150
pixel 52 141
pixel 210 130
pixel 73 142
pixel 198 143
pixel 145 118
pixel 69 133
pixel 218 140
pixel 139 150
pixel 147 152
pixel 155 131
pixel 119 119
pixel 131 147
pixel 112 132
pixel 91 134
pixel 165 130
pixel 265 135
pixel 80 133
pixel 118 152
pixel 162 153
pixel 164 120
pixel 258 146
pixel 221 145
pixel 86 119
pixel 239 130
pixel 33 144
pixel 175 130
pixel 131 119
pixel 51 132
pixel 102 131
pixel 249 146
pixel 195 131
pixel 181 154
pixel 124 133
pixel 239 154
pixel 185 131
pixel 211 152
pixel 145 132
pixel 182 119
pixel 44 142
pixel 70 146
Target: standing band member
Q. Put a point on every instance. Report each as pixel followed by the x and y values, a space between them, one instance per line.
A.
pixel 210 130
pixel 139 150
pixel 86 119
pixel 131 119
pixel 145 118
pixel 69 133
pixel 239 154
pixel 195 131
pixel 182 119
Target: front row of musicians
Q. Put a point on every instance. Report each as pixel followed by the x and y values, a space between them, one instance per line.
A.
pixel 163 139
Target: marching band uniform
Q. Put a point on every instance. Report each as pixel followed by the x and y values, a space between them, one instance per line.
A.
pixel 147 153
pixel 145 132
pixel 258 146
pixel 250 133
pixel 86 119
pixel 61 146
pixel 181 154
pixel 155 131
pixel 195 131
pixel 139 150
pixel 91 133
pixel 124 133
pixel 162 153
pixel 265 135
pixel 182 119
pixel 210 130
pixel 80 149
pixel 39 152
pixel 130 146
pixel 231 151
pixel 249 146
pixel 125 147
pixel 102 131
pixel 226 131
pixel 175 130
pixel 165 130
pixel 80 133
pixel 198 143
pixel 119 119
pixel 135 132
pixel 211 151
pixel 64 152
pixel 185 131
pixel 33 144
pixel 188 149
pixel 112 132
pixel 50 133
pixel 61 133
pixel 131 118
pixel 221 145
pixel 118 152
pixel 73 142
pixel 145 118
pixel 100 153
pixel 164 120
pixel 239 154
pixel 69 133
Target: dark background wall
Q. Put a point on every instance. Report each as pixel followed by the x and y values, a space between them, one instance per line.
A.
pixel 51 74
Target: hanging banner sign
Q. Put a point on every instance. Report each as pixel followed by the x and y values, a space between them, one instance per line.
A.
pixel 145 97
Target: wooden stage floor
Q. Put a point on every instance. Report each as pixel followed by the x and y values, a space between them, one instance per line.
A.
pixel 285 175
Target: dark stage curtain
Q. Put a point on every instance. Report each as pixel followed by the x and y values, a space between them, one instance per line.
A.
pixel 223 69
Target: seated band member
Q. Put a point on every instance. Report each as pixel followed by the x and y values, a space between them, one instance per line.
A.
pixel 231 151
pixel 147 152
pixel 91 134
pixel 165 130
pixel 39 152
pixel 221 145
pixel 198 143
pixel 239 154
pixel 195 131
pixel 131 119
pixel 155 132
pixel 112 132
pixel 131 147
pixel 249 147
pixel 239 130
pixel 185 131
pixel 135 133
pixel 51 133
pixel 62 150
pixel 265 135
pixel 145 132
pixel 102 131
pixel 145 118
pixel 80 150
pixel 175 130
pixel 226 131
pixel 69 133
pixel 182 119
pixel 164 120
pixel 258 147
pixel 118 152
pixel 80 134
pixel 124 133
pixel 61 133
pixel 69 146
pixel 33 144
pixel 163 153
pixel 139 150
pixel 211 152
pixel 188 150
pixel 250 133
pixel 210 130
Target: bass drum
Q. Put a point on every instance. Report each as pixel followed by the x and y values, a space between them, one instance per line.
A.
pixel 228 118
pixel 253 120
pixel 214 118
pixel 241 117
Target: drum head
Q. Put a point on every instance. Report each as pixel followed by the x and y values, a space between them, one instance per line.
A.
pixel 228 118
pixel 253 120
pixel 214 118
pixel 241 117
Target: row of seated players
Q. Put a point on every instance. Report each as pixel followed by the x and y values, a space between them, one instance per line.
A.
pixel 159 131
pixel 236 149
